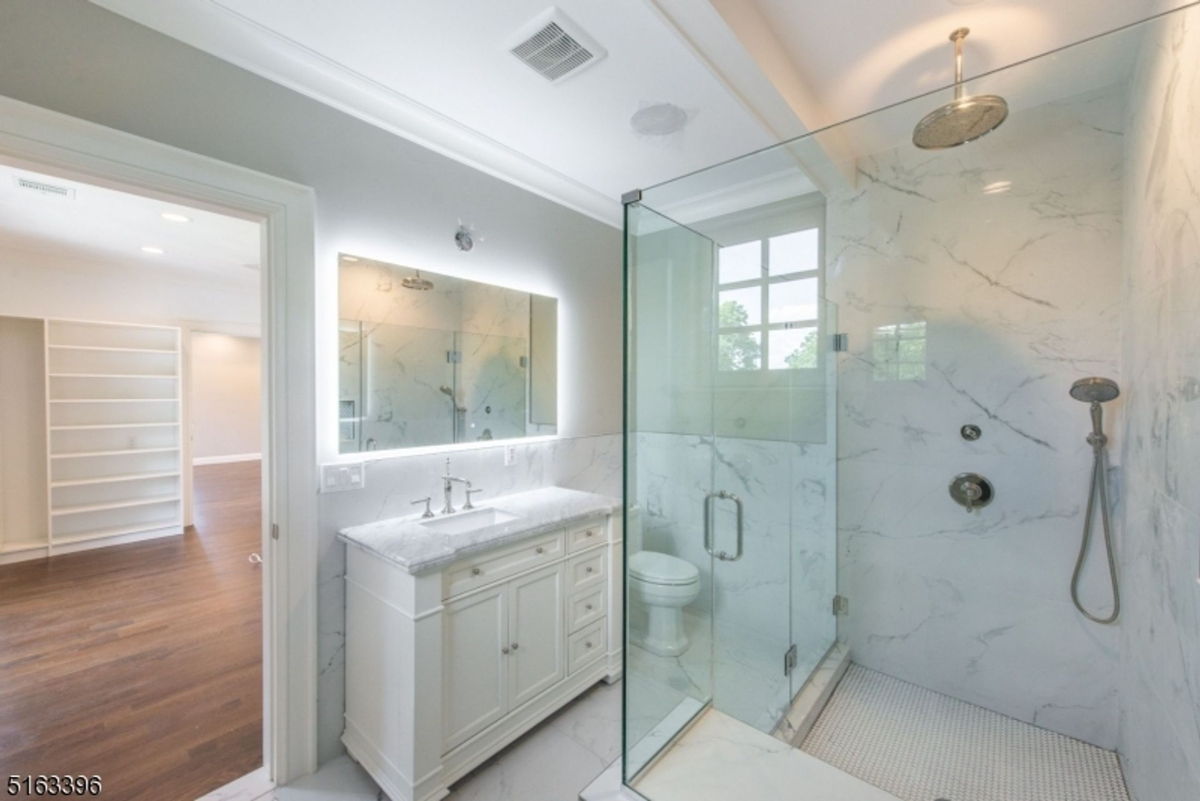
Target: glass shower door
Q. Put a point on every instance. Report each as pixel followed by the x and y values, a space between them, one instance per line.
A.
pixel 669 474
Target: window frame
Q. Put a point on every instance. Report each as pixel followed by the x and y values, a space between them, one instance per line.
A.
pixel 807 214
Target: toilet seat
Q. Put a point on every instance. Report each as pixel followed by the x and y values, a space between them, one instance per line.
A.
pixel 663 569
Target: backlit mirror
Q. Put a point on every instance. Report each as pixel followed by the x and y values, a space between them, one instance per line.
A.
pixel 429 359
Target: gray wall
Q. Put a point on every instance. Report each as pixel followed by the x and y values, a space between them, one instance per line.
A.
pixel 377 195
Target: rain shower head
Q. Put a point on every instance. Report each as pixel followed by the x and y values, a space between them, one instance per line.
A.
pixel 965 118
pixel 1095 390
pixel 416 282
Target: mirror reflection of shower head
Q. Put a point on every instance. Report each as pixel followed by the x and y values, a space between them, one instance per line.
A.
pixel 417 282
pixel 966 117
pixel 445 390
pixel 1095 390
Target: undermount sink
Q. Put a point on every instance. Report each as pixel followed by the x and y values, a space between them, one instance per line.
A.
pixel 465 522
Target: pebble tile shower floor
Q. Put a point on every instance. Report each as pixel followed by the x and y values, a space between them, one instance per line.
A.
pixel 920 746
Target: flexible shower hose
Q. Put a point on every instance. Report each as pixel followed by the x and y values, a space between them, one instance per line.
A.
pixel 1098 483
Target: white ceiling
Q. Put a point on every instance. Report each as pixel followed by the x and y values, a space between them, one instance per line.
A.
pixel 749 72
pixel 105 229
pixel 861 55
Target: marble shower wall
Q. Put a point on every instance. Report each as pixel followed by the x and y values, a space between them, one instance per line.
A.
pixel 592 464
pixel 1008 298
pixel 1160 543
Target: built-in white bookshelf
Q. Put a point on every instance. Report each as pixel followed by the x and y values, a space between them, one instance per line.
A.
pixel 111 423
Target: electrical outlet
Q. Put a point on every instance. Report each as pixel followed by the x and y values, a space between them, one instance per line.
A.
pixel 510 455
pixel 342 477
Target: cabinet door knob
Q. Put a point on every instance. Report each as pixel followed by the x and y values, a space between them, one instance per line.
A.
pixel 514 646
pixel 590 533
pixel 504 651
pixel 475 571
pixel 541 550
pixel 589 607
pixel 589 645
pixel 591 570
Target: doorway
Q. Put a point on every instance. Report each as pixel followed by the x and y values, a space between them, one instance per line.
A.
pixel 131 570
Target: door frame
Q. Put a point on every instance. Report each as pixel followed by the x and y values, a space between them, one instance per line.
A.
pixel 51 142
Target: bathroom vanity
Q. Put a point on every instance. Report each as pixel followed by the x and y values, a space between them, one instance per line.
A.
pixel 463 631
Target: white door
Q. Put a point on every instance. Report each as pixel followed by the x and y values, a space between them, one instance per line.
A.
pixel 535 633
pixel 474 642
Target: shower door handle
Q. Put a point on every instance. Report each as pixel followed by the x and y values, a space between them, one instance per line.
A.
pixel 741 529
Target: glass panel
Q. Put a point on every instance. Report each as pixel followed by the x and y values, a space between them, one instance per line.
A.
pixel 407 386
pixel 793 349
pixel 741 262
pixel 491 387
pixel 739 351
pixel 814 530
pixel 795 252
pixel 670 294
pixel 741 307
pixel 792 301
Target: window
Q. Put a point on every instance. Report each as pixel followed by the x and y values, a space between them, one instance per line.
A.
pixel 899 352
pixel 768 303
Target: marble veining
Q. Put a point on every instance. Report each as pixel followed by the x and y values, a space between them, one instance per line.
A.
pixel 409 543
pixel 1160 521
pixel 1015 295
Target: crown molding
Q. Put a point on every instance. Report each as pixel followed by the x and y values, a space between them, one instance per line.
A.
pixel 217 30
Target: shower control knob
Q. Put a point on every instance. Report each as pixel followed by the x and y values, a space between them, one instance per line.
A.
pixel 971 491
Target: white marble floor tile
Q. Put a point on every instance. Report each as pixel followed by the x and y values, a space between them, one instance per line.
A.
pixel 721 758
pixel 339 779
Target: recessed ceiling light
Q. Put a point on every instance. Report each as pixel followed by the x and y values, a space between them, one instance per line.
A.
pixel 152 249
pixel 173 217
pixel 997 187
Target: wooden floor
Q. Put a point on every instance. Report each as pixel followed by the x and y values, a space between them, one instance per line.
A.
pixel 141 663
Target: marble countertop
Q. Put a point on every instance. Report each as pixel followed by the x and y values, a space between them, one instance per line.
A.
pixel 415 548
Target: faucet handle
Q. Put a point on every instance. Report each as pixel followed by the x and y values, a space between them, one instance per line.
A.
pixel 470 492
pixel 428 500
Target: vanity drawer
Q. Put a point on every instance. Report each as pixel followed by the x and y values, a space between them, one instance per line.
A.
pixel 586 607
pixel 586 536
pixel 586 570
pixel 485 568
pixel 586 646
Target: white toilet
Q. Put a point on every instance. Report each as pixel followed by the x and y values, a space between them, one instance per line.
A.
pixel 662 585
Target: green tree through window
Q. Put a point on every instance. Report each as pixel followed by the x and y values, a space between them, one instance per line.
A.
pixel 741 350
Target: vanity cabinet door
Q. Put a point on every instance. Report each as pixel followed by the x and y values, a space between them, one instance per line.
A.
pixel 475 642
pixel 535 632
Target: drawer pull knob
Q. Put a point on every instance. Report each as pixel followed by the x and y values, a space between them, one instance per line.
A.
pixel 590 533
pixel 589 645
pixel 541 550
pixel 590 607
pixel 591 570
pixel 475 571
pixel 514 646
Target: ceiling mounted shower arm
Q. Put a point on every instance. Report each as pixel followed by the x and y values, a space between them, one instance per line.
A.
pixel 957 37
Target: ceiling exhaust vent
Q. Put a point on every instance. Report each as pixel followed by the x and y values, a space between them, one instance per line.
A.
pixel 48 190
pixel 554 47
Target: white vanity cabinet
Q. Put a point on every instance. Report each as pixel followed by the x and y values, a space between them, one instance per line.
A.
pixel 446 667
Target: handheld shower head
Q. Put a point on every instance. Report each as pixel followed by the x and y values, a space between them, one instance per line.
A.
pixel 1095 390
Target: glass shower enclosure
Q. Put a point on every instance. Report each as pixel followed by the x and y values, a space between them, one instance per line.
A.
pixel 856 477
pixel 731 453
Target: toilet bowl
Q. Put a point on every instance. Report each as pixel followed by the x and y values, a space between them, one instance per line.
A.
pixel 662 585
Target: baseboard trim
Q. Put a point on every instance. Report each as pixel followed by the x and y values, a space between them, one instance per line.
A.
pixel 237 457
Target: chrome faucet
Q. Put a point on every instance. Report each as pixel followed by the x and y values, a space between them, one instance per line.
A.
pixel 448 490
